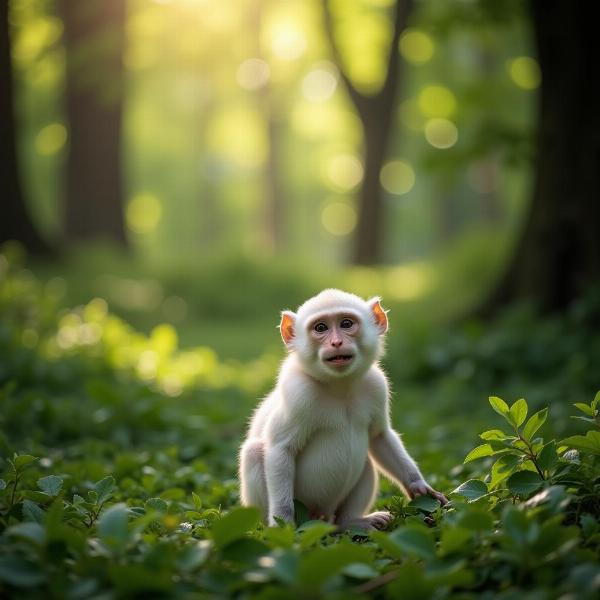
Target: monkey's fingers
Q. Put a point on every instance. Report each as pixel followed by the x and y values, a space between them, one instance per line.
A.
pixel 440 497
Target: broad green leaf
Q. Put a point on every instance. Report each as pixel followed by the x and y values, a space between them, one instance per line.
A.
pixel 19 572
pixel 324 562
pixel 590 442
pixel 234 525
pixel 23 460
pixel 595 401
pixel 524 483
pixel 499 406
pixel 157 504
pixel 479 452
pixel 360 571
pixel 473 489
pixel 32 512
pixel 245 550
pixel 425 503
pixel 104 488
pixel 193 555
pixel 476 519
pixel 453 539
pixel 50 485
pixel 518 412
pixel 502 468
pixel 585 408
pixel 313 531
pixel 112 526
pixel 197 501
pixel 414 540
pixel 30 531
pixel 547 457
pixel 534 423
pixel 516 524
pixel 495 434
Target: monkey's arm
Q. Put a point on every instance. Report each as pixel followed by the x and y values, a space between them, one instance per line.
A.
pixel 279 474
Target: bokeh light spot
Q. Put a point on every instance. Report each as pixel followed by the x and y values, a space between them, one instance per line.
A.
pixel 397 177
pixel 319 84
pixel 416 47
pixel 525 72
pixel 409 282
pixel 345 171
pixel 441 133
pixel 50 139
pixel 287 41
pixel 253 74
pixel 437 101
pixel 144 212
pixel 339 218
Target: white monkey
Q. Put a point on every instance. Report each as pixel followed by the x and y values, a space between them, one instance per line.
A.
pixel 321 435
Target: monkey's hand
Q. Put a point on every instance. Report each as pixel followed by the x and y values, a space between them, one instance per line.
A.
pixel 285 513
pixel 422 488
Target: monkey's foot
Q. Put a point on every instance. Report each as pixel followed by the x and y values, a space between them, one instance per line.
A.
pixel 376 520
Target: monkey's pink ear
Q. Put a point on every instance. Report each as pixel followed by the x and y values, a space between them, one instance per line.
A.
pixel 379 314
pixel 286 327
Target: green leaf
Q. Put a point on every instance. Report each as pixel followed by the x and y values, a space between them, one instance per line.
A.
pixel 22 461
pixel 32 512
pixel 415 540
pixel 453 539
pixel 495 434
pixel 104 488
pixel 590 442
pixel 475 519
pixel 245 550
pixel 313 531
pixel 324 562
pixel 425 503
pixel 157 504
pixel 585 408
pixel 500 406
pixel 19 572
pixel 112 526
pixel 359 571
pixel 473 489
pixel 502 468
pixel 595 401
pixel 524 483
pixel 518 412
pixel 234 525
pixel 194 555
pixel 32 532
pixel 197 501
pixel 534 423
pixel 50 485
pixel 479 452
pixel 547 457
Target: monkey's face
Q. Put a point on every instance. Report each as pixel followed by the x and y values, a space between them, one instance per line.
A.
pixel 335 334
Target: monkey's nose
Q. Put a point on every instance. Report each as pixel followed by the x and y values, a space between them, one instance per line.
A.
pixel 336 343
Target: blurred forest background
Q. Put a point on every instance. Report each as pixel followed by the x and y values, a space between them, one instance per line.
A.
pixel 206 164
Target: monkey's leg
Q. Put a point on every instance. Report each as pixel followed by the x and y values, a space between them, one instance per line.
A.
pixel 253 486
pixel 351 512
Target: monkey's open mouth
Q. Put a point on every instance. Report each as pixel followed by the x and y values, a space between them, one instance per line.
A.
pixel 340 359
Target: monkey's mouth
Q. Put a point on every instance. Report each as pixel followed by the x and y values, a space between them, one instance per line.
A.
pixel 340 359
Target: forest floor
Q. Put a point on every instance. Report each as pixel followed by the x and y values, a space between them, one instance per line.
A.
pixel 118 448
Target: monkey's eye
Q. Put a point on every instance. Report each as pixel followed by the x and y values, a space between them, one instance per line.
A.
pixel 346 323
pixel 320 327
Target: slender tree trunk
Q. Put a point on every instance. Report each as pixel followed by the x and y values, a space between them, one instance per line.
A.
pixel 376 117
pixel 15 223
pixel 94 39
pixel 558 255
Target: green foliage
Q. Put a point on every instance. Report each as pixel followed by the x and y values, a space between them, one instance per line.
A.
pixel 111 487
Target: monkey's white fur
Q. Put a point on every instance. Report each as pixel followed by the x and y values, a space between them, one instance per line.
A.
pixel 323 433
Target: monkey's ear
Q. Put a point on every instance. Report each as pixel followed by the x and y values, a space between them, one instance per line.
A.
pixel 379 314
pixel 286 327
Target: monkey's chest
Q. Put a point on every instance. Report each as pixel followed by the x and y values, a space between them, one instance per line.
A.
pixel 329 467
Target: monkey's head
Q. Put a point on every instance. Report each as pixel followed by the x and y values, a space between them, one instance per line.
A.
pixel 335 334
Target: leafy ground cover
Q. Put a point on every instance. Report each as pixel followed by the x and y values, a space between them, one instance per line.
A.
pixel 119 455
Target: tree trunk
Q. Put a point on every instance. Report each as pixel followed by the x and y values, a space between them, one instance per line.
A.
pixel 94 40
pixel 558 255
pixel 15 223
pixel 376 117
